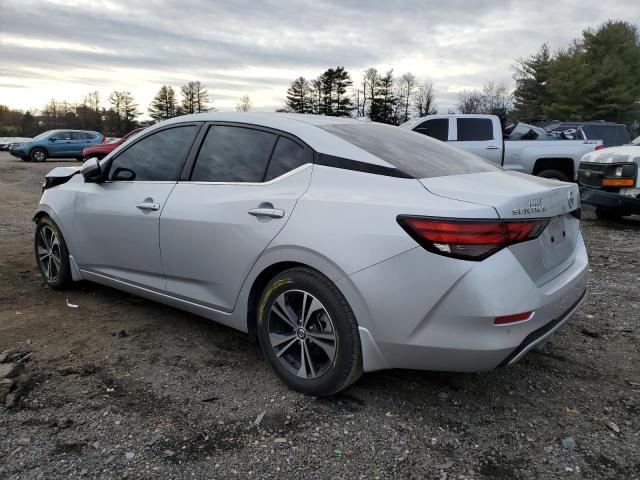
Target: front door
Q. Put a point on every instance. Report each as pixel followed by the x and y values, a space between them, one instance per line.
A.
pixel 117 221
pixel 244 186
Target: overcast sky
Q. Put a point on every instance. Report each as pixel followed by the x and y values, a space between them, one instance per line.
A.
pixel 63 49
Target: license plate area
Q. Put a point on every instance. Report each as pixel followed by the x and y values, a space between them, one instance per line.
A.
pixel 556 232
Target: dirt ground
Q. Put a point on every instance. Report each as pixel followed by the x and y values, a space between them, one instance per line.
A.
pixel 125 388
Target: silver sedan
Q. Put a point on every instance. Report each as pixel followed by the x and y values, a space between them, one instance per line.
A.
pixel 343 246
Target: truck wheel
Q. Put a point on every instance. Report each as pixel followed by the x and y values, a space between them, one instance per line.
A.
pixel 608 214
pixel 556 174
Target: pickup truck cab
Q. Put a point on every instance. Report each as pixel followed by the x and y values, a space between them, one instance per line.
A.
pixel 482 135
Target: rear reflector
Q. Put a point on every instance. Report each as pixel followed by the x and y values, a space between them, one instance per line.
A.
pixel 518 317
pixel 469 239
pixel 618 182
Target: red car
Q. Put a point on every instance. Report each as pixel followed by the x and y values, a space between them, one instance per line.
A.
pixel 101 150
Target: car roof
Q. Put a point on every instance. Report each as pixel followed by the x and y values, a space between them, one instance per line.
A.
pixel 302 126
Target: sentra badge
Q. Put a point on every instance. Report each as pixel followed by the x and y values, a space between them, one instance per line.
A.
pixel 534 205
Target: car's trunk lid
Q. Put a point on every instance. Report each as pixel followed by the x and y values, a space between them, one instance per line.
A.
pixel 517 196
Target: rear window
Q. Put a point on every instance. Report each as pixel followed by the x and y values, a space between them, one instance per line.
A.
pixel 415 154
pixel 474 129
pixel 611 135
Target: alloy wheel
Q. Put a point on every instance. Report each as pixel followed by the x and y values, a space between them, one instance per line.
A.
pixel 38 155
pixel 302 334
pixel 49 256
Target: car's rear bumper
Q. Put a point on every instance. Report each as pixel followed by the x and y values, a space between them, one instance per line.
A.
pixel 614 201
pixel 435 313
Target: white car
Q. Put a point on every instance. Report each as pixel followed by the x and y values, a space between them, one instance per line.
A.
pixel 344 246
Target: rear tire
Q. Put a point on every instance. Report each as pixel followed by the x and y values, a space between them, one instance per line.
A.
pixel 555 174
pixel 608 214
pixel 38 155
pixel 319 354
pixel 52 255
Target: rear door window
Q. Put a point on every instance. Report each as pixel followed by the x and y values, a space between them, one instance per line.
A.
pixel 474 129
pixel 437 128
pixel 287 156
pixel 416 155
pixel 233 154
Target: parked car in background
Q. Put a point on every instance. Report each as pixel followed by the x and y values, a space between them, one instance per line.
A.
pixel 483 136
pixel 344 246
pixel 101 150
pixel 609 180
pixel 6 142
pixel 612 134
pixel 56 144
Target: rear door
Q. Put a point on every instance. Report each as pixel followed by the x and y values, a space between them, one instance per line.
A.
pixel 243 187
pixel 480 136
pixel 117 221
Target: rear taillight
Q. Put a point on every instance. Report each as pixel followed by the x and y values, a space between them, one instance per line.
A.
pixel 600 147
pixel 469 239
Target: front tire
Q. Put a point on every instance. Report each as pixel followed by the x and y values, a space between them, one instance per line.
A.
pixel 52 255
pixel 554 174
pixel 608 214
pixel 38 155
pixel 309 333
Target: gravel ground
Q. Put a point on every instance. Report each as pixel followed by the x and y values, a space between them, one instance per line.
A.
pixel 121 387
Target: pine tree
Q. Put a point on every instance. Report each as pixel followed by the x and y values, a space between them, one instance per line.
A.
pixel 531 93
pixel 383 103
pixel 299 96
pixel 164 104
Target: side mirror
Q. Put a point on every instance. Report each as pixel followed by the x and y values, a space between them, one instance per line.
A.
pixel 53 139
pixel 91 170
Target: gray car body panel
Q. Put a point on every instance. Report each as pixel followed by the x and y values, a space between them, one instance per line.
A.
pixel 414 309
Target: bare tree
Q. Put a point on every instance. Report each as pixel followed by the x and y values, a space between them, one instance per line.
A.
pixel 496 97
pixel 424 99
pixel 405 89
pixel 470 101
pixel 243 104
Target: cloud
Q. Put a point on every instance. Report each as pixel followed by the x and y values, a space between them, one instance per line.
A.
pixel 58 48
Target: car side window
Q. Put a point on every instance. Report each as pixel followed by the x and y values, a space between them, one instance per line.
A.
pixel 287 156
pixel 78 136
pixel 474 129
pixel 437 128
pixel 156 157
pixel 62 135
pixel 233 154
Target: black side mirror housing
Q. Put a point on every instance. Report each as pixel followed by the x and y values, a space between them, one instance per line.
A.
pixel 92 171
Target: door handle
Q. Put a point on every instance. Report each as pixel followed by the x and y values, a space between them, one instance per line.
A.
pixel 492 148
pixel 267 212
pixel 148 206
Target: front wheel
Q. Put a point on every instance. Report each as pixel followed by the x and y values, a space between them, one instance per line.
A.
pixel 38 154
pixel 608 214
pixel 309 333
pixel 52 255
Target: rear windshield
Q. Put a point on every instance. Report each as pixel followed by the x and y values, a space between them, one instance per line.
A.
pixel 411 152
pixel 611 135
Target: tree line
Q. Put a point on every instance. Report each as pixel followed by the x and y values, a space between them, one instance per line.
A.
pixel 380 96
pixel 596 78
pixel 115 120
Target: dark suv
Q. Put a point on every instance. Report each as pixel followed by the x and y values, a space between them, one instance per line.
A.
pixel 611 134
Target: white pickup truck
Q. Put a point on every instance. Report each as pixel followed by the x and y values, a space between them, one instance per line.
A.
pixel 482 135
